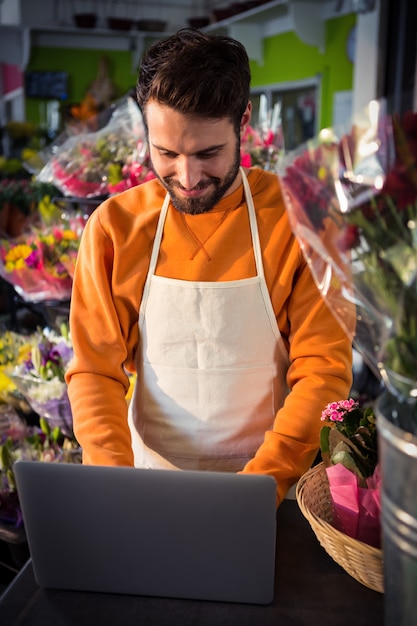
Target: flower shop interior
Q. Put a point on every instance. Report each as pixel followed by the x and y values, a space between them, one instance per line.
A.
pixel 68 71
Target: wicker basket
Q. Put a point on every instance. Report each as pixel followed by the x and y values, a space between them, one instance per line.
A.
pixel 363 562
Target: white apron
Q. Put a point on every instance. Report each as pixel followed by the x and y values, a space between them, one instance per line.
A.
pixel 211 367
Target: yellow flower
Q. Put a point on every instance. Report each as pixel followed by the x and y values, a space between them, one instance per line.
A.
pixel 6 385
pixel 28 153
pixel 21 250
pixel 18 253
pixel 322 173
pixel 11 266
pixel 48 238
pixel 69 235
pixel 48 209
pixel 24 352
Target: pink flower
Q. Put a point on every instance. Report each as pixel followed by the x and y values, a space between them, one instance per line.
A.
pixel 246 160
pixel 34 260
pixel 269 139
pixel 336 411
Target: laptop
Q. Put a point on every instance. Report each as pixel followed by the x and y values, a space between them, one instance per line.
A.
pixel 180 534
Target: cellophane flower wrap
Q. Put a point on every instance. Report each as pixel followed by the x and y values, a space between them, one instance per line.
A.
pixel 263 144
pixel 40 264
pixel 349 449
pixel 41 378
pixel 100 162
pixel 351 195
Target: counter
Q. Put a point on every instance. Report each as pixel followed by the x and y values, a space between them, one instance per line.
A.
pixel 310 590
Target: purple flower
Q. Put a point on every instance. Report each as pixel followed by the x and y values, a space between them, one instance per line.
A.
pixel 34 260
pixel 61 352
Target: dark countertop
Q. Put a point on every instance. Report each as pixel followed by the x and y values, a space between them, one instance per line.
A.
pixel 310 590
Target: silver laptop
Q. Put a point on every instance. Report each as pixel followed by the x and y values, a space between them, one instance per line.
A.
pixel 182 534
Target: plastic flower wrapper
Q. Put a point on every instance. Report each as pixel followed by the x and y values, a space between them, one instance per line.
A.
pixel 351 195
pixel 23 265
pixel 41 378
pixel 349 449
pixel 263 144
pixel 40 265
pixel 35 443
pixel 129 175
pixel 92 164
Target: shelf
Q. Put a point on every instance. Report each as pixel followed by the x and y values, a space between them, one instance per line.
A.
pixel 260 14
pixel 133 41
pixel 252 26
pixel 89 38
pixel 20 39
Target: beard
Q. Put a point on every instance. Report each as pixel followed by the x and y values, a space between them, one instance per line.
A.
pixel 197 206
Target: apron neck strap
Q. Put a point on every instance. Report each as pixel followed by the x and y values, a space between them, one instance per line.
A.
pixel 158 235
pixel 253 225
pixel 252 222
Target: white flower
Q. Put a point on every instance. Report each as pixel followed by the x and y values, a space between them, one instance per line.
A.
pixel 44 391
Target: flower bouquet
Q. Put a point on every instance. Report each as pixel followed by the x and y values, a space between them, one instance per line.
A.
pixel 263 144
pixel 33 274
pixel 41 265
pixel 351 196
pixel 93 164
pixel 60 242
pixel 130 174
pixel 36 443
pixel 40 379
pixel 349 451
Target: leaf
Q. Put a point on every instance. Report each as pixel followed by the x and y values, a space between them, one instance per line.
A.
pixel 6 456
pixel 36 358
pixel 324 445
pixel 44 424
pixel 11 479
pixel 365 465
pixel 114 173
pixel 57 436
pixel 345 458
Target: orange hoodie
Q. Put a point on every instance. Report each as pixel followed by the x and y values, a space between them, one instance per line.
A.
pixel 110 274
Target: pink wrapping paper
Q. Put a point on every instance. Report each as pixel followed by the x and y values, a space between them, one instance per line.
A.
pixel 357 510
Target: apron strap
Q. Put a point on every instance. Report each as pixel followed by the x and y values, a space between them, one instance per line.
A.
pixel 253 226
pixel 154 258
pixel 158 235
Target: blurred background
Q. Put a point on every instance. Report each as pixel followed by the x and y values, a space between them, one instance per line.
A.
pixel 320 60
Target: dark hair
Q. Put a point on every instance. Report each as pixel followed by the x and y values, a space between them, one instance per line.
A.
pixel 196 74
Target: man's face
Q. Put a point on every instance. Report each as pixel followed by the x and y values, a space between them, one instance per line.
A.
pixel 196 159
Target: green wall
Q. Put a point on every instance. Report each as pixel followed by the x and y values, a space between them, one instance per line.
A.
pixel 82 67
pixel 286 58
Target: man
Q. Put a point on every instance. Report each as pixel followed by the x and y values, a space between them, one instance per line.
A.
pixel 195 281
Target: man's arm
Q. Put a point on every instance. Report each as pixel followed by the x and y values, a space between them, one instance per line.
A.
pixel 320 372
pixel 97 381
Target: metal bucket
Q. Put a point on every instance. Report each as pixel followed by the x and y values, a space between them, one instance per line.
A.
pixel 398 458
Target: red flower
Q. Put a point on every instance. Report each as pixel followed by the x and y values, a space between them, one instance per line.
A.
pixel 364 186
pixel 349 238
